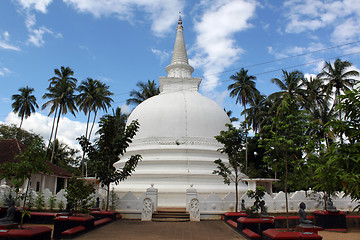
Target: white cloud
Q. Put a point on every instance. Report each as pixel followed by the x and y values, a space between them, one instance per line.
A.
pixel 162 13
pixel 39 5
pixel 125 109
pixel 215 47
pixel 163 55
pixel 343 17
pixel 4 71
pixel 4 43
pixel 36 36
pixel 40 124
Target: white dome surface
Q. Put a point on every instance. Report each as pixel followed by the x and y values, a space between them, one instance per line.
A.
pixel 182 114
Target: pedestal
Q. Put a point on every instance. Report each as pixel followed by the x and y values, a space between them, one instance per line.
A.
pixel 8 226
pixel 257 225
pixel 330 220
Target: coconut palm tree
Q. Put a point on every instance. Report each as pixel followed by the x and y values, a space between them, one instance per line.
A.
pixel 94 95
pixel 146 90
pixel 314 96
pixel 256 112
pixel 243 90
pixel 62 97
pixel 291 88
pixel 24 103
pixel 339 79
pixel 229 113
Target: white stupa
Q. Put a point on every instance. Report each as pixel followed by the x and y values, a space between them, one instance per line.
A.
pixel 176 137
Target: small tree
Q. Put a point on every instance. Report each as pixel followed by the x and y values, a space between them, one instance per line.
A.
pixel 258 194
pixel 52 202
pixel 233 140
pixel 114 138
pixel 78 194
pixel 40 201
pixel 31 161
pixel 285 140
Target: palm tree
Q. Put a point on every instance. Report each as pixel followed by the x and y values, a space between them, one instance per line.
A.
pixel 338 80
pixel 147 90
pixel 94 95
pixel 314 96
pixel 257 112
pixel 229 113
pixel 243 90
pixel 291 87
pixel 62 98
pixel 24 103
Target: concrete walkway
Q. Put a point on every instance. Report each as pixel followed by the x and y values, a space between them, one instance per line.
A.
pixel 135 229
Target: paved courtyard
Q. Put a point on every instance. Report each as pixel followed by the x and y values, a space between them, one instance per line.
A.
pixel 204 230
pixel 135 229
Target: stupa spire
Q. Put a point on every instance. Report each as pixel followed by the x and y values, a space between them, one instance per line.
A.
pixel 179 66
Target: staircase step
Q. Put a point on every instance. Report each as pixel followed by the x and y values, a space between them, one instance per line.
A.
pixel 171 215
pixel 171 219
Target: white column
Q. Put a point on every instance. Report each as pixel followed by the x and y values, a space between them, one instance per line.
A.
pixel 152 193
pixel 193 203
pixel 55 185
pixel 43 180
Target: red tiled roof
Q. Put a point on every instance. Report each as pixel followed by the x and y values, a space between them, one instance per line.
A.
pixel 9 148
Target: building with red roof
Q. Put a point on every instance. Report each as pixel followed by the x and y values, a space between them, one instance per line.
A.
pixel 54 181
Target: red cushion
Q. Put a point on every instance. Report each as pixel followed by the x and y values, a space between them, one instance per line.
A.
pixel 251 234
pixel 102 221
pixel 232 223
pixel 73 230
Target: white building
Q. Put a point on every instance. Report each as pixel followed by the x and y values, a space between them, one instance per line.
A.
pixel 176 137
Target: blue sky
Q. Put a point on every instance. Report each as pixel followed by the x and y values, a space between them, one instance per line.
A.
pixel 122 42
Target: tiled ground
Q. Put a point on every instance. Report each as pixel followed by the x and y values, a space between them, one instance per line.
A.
pixel 135 229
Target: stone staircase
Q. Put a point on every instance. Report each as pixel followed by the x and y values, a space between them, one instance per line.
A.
pixel 171 215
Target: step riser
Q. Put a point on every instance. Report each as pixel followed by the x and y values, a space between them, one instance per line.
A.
pixel 171 215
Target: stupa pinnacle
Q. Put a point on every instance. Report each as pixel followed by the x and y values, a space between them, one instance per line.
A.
pixel 179 67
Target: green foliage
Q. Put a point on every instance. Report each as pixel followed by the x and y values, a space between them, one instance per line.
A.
pixel 233 141
pixel 78 194
pixel 339 166
pixel 28 201
pixel 114 199
pixel 24 103
pixel 61 205
pixel 24 213
pixel 31 162
pixel 146 90
pixel 40 201
pixel 64 156
pixel 52 202
pixel 11 132
pixel 114 138
pixel 258 194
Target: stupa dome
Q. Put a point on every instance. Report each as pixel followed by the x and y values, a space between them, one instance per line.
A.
pixel 179 116
pixel 176 137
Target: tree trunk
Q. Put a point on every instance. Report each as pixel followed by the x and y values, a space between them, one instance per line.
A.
pixel 24 205
pixel 52 131
pixel 236 191
pixel 107 197
pixel 92 125
pixel 56 129
pixel 86 136
pixel 22 119
pixel 246 142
